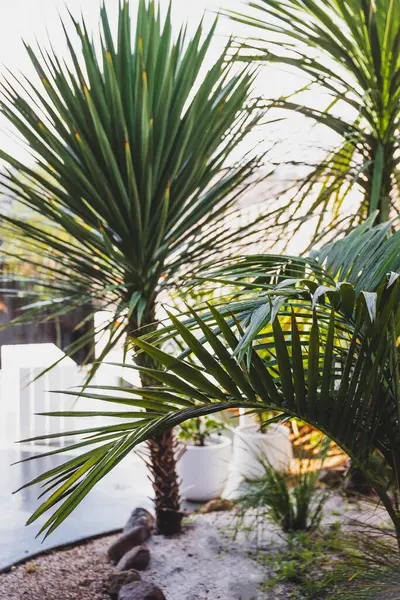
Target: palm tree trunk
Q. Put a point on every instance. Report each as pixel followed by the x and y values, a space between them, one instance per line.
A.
pixel 385 184
pixel 163 451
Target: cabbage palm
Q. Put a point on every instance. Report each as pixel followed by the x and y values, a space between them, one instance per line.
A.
pixel 348 50
pixel 130 145
pixel 315 338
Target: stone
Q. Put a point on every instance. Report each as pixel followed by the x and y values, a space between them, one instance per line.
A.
pixel 141 591
pixel 216 505
pixel 137 558
pixel 356 483
pixel 117 580
pixel 332 477
pixel 127 541
pixel 139 517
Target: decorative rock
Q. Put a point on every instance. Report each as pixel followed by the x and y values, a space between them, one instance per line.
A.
pixel 140 517
pixel 140 591
pixel 126 542
pixel 332 477
pixel 356 483
pixel 137 558
pixel 117 580
pixel 216 505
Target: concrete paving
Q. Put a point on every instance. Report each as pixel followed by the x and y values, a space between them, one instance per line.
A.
pixel 106 508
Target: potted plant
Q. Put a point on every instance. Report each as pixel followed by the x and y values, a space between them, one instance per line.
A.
pixel 261 438
pixel 204 463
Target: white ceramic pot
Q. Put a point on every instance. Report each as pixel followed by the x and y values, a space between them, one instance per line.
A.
pixel 250 444
pixel 203 470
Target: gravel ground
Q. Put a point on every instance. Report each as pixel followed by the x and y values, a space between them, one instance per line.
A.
pixel 204 563
pixel 71 574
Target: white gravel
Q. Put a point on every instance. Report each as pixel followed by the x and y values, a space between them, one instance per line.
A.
pixel 206 562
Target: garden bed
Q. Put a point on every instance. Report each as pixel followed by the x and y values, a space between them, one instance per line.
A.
pixel 206 561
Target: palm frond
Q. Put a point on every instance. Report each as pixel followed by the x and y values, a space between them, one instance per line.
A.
pixel 348 51
pixel 327 354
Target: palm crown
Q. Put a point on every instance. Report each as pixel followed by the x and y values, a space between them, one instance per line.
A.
pixel 131 170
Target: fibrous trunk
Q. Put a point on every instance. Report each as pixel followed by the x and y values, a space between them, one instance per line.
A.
pixel 163 452
pixel 380 173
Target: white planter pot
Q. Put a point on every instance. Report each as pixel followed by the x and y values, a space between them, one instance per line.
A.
pixel 249 445
pixel 203 470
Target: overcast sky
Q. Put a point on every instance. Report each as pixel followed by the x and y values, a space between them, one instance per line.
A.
pixel 39 19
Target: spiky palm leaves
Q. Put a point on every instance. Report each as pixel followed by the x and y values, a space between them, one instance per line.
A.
pixel 349 50
pixel 315 338
pixel 130 146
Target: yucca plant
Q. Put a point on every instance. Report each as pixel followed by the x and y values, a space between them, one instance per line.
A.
pixel 316 338
pixel 349 52
pixel 130 145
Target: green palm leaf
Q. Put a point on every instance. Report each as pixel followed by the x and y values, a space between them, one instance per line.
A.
pixel 314 358
pixel 349 51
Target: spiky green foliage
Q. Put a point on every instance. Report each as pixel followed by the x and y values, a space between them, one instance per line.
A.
pixel 312 344
pixel 360 561
pixel 130 146
pixel 290 498
pixel 303 564
pixel 349 52
pixel 368 566
pixel 130 138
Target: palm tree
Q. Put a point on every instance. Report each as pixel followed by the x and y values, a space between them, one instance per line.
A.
pixel 315 338
pixel 130 173
pixel 349 52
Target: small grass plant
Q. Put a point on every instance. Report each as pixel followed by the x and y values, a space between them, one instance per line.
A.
pixel 291 498
pixel 335 563
pixel 305 565
pixel 369 567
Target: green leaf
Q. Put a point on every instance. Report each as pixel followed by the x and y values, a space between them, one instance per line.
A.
pixel 313 369
pixel 283 359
